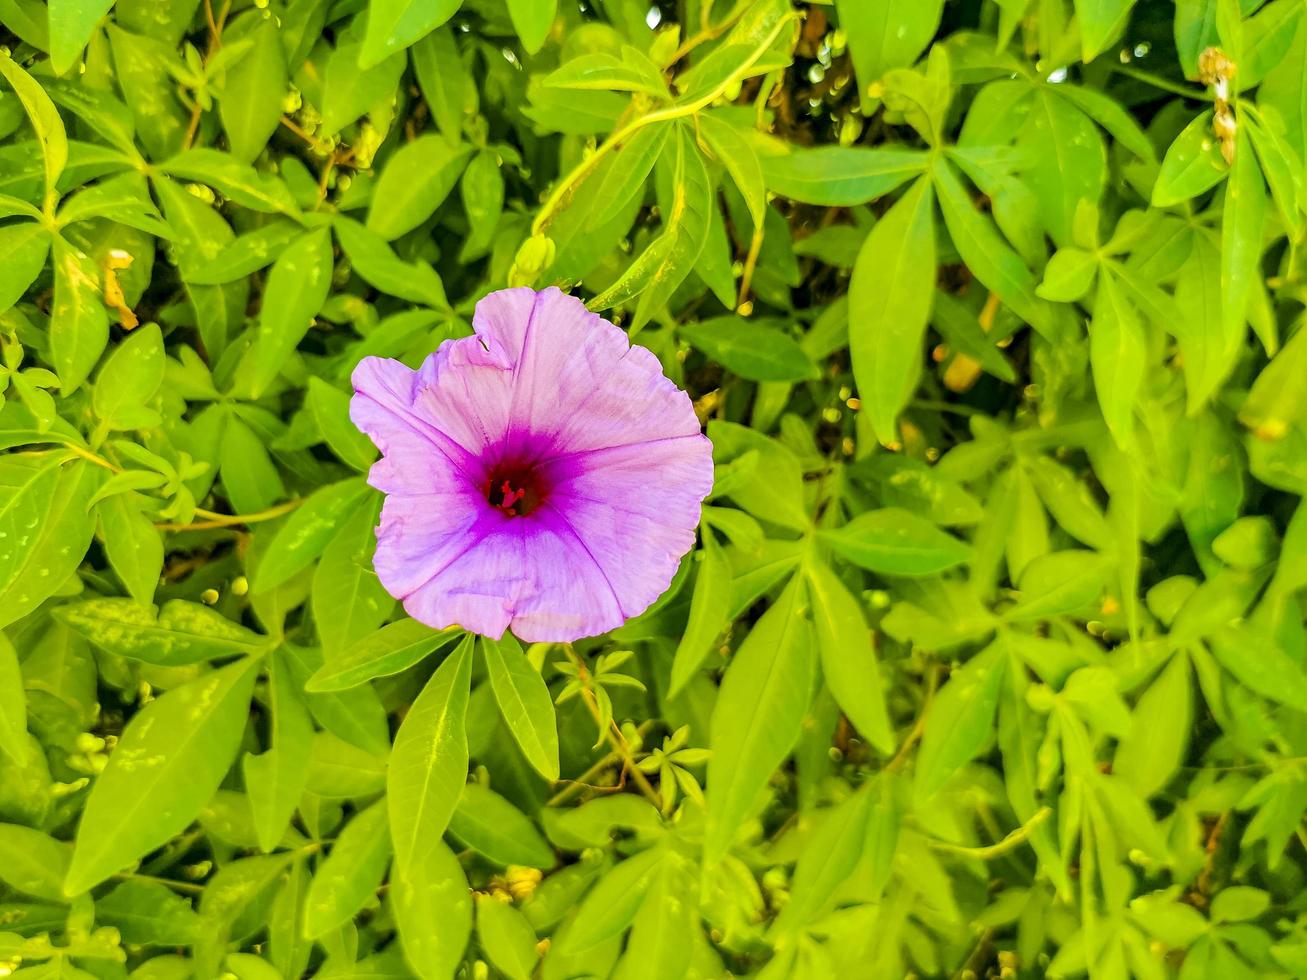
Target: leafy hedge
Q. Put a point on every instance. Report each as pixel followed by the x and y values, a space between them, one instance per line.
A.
pixel 990 659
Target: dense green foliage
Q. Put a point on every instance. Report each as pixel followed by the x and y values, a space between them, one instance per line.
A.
pixel 990 659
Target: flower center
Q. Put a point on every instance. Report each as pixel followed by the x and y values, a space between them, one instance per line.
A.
pixel 516 490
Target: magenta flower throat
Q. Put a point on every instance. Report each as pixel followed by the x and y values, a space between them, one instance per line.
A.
pixel 542 475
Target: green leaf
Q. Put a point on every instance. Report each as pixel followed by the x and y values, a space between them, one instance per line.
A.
pixel 1239 903
pixel 750 348
pixel 1068 275
pixel 346 592
pixel 296 289
pixel 757 717
pixel 1242 218
pixel 829 857
pixel 1255 660
pixel 1154 748
pixel 79 325
pixel 147 913
pixel 393 25
pixel 275 778
pixel 983 249
pixel 1069 162
pixel 960 721
pixel 737 155
pixel 433 911
pixel 72 22
pixel 1192 164
pixel 1059 583
pixel 507 937
pixel 708 614
pixel 307 532
pixel 599 71
pixel 611 905
pixel 130 378
pixel 390 650
pixel 889 307
pixel 1101 23
pixel 416 180
pixel 132 544
pixel 497 830
pixel 24 247
pixel 47 124
pixel 525 703
pixel 377 263
pixel 1119 357
pixel 532 20
pixel 13 704
pixel 238 181
pixel 181 633
pixel 886 35
pixel 45 525
pixel 32 862
pixel 663 265
pixel 254 88
pixel 893 541
pixel 167 765
pixel 428 765
pixel 248 253
pixel 350 875
pixel 840 176
pixel 848 659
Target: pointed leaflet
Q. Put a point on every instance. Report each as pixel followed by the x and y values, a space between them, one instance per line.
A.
pixel 390 650
pixel 44 520
pixel 349 876
pixel 757 717
pixel 893 541
pixel 177 634
pixel 416 180
pixel 428 765
pixel 274 780
pixel 960 721
pixel 1154 748
pixel 72 22
pixel 432 906
pixel 132 544
pixel 499 831
pixel 297 287
pixel 306 533
pixel 829 856
pixel 46 123
pixel 525 703
pixel 848 659
pixel 168 764
pixel 395 24
pixel 1193 164
pixel 79 324
pixel 532 20
pixel 889 306
pixel 13 704
pixel 888 34
pixel 1118 357
pixel 986 253
pixel 1101 22
pixel 1242 218
pixel 668 259
pixel 709 606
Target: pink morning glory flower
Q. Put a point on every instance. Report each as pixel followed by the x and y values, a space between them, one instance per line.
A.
pixel 541 475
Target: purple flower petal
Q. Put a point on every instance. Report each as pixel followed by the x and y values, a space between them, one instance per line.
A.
pixel 542 474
